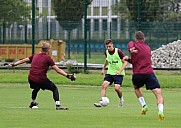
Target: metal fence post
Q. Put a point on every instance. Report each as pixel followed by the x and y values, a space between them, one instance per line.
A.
pixel 139 14
pixel 85 36
pixel 33 26
pixel 69 31
pixel 4 32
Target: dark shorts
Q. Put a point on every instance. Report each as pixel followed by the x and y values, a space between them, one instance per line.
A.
pixel 49 85
pixel 149 80
pixel 117 79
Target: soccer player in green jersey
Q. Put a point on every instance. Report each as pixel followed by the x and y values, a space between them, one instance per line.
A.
pixel 115 73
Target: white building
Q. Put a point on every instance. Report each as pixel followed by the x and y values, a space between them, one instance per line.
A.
pixel 100 17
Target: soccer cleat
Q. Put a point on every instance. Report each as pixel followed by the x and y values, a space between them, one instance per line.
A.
pixel 144 110
pixel 121 103
pixel 32 104
pixel 161 116
pixel 97 105
pixel 59 107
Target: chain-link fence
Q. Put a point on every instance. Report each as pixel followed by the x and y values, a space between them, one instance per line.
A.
pixel 115 19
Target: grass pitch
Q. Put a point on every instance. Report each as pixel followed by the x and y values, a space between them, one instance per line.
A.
pixel 15 99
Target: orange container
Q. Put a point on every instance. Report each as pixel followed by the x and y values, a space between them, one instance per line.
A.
pixel 11 52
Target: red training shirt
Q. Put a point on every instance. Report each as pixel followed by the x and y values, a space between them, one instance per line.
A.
pixel 39 66
pixel 141 61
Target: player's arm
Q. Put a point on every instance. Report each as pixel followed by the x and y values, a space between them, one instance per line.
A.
pixel 131 47
pixel 104 67
pixel 125 63
pixel 61 72
pixel 21 61
pixel 126 58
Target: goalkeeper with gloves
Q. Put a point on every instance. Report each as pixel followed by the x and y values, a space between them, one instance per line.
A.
pixel 37 77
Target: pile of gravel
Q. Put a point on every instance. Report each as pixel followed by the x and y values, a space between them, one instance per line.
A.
pixel 167 56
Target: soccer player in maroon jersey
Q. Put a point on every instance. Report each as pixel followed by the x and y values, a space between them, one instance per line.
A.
pixel 143 73
pixel 37 77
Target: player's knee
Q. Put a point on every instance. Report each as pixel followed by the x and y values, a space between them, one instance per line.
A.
pixel 53 87
pixel 36 89
pixel 104 86
pixel 159 95
pixel 116 89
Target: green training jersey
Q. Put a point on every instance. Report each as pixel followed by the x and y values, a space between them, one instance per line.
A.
pixel 114 63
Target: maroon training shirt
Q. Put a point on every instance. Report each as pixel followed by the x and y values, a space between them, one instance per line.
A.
pixel 141 61
pixel 39 66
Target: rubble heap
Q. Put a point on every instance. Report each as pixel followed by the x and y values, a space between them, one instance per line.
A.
pixel 167 56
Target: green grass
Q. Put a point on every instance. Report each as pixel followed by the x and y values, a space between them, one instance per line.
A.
pixel 15 98
pixel 93 57
pixel 79 97
pixel 167 79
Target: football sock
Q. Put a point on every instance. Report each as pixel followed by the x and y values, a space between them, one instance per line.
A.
pixel 142 101
pixel 57 102
pixel 160 107
pixel 121 99
pixel 33 100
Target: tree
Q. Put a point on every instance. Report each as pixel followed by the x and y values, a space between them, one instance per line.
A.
pixel 14 11
pixel 150 10
pixel 170 10
pixel 129 9
pixel 145 15
pixel 170 16
pixel 69 12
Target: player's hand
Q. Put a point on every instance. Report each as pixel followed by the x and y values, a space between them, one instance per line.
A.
pixel 125 58
pixel 71 77
pixel 118 73
pixel 102 72
pixel 12 64
pixel 133 50
pixel 5 64
pixel 9 64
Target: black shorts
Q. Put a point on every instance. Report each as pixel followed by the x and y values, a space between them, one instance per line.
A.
pixel 117 79
pixel 49 85
pixel 149 80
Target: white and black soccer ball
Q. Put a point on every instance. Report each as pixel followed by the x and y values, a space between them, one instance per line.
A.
pixel 104 101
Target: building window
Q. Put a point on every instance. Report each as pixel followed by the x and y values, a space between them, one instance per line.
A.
pixel 96 25
pixel 88 24
pixel 114 1
pixel 96 11
pixel 104 11
pixel 104 25
pixel 89 11
pixel 45 10
pixel 114 24
pixel 45 3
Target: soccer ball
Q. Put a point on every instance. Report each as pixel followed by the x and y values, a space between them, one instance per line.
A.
pixel 104 101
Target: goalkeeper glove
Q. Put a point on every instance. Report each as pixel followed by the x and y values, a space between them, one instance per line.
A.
pixel 71 76
pixel 5 64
